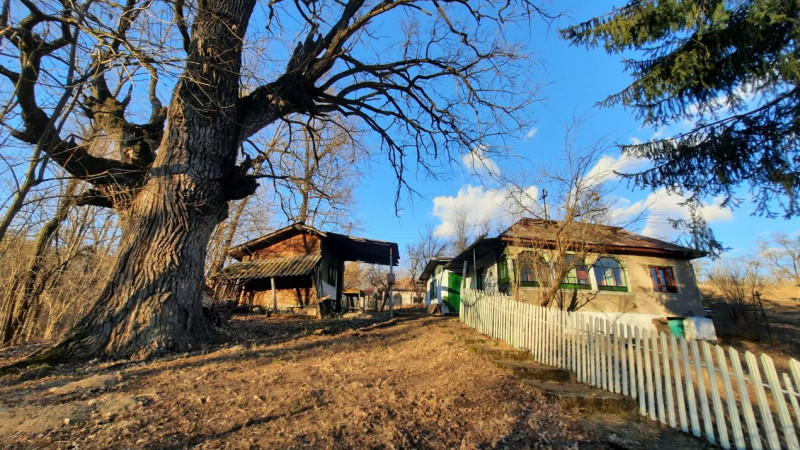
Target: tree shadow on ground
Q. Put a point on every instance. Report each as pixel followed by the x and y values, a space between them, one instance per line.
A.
pixel 248 337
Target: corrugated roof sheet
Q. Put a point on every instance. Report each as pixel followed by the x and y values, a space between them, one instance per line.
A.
pixel 288 266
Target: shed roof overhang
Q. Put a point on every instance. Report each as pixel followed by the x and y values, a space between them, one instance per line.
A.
pixel 370 251
pixel 431 267
pixel 482 247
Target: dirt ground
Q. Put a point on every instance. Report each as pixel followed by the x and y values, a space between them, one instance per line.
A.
pixel 353 382
pixel 779 338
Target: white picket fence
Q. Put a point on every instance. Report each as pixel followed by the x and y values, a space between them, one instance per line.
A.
pixel 700 388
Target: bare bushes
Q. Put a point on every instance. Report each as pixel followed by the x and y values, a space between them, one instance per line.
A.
pixel 737 285
pixel 49 275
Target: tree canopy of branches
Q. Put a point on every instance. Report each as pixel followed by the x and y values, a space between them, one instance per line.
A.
pixel 729 67
pixel 419 252
pixel 428 78
pixel 313 182
pixel 781 253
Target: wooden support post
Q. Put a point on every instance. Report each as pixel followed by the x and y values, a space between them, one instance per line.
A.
pixel 274 295
pixel 391 285
pixel 475 269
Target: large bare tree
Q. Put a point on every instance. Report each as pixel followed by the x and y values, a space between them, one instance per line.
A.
pixel 429 78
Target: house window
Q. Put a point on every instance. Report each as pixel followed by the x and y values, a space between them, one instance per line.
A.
pixel 609 275
pixel 532 268
pixel 578 275
pixel 663 279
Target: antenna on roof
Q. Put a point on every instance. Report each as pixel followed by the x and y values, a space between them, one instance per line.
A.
pixel 544 202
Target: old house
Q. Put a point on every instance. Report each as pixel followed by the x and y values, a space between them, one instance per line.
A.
pixel 298 265
pixel 606 270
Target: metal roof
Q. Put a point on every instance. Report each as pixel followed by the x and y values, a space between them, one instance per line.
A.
pixel 431 267
pixel 288 266
pixel 538 233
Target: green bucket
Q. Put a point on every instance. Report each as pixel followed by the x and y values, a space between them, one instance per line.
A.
pixel 676 325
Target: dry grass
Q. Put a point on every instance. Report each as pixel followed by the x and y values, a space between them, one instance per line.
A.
pixel 358 382
pixel 782 338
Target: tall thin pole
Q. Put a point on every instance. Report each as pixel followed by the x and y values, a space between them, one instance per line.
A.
pixel 544 202
pixel 391 285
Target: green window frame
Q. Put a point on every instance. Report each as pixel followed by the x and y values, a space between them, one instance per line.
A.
pixel 578 275
pixel 529 266
pixel 502 270
pixel 610 275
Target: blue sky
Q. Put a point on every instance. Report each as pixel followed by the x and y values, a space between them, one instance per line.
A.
pixel 574 80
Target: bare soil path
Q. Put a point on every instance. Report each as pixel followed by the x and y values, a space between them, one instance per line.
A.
pixel 357 382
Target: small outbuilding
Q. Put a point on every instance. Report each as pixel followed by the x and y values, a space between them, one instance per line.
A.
pixel 299 266
pixel 442 285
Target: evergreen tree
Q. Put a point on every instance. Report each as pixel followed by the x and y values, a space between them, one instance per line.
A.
pixel 729 67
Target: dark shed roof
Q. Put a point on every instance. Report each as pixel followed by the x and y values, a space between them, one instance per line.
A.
pixel 431 266
pixel 289 266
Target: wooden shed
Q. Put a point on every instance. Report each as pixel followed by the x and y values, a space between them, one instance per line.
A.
pixel 299 266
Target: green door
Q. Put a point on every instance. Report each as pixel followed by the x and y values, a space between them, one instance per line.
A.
pixel 454 291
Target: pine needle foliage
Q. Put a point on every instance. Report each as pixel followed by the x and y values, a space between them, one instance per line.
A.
pixel 729 68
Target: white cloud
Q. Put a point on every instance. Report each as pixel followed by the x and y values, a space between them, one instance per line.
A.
pixel 479 164
pixel 498 207
pixel 661 206
pixel 635 141
pixel 607 165
pixel 532 132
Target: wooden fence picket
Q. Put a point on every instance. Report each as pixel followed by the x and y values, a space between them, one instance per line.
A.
pixel 602 334
pixel 580 353
pixel 668 382
pixel 657 377
pixel 648 369
pixel 640 371
pixel 719 412
pixel 792 393
pixel 763 405
pixel 730 398
pixel 701 392
pixel 744 398
pixel 610 354
pixel 629 339
pixel 623 360
pixel 593 335
pixel 679 391
pixel 615 363
pixel 794 368
pixel 780 402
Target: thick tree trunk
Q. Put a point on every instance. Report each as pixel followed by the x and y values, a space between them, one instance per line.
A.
pixel 152 304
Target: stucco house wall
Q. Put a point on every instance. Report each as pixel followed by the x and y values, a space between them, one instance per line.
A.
pixel 640 298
